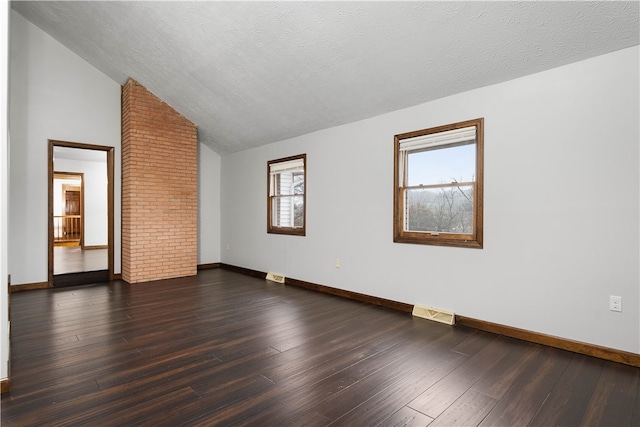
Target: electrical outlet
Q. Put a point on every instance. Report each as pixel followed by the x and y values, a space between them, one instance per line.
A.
pixel 615 303
pixel 337 263
pixel 228 247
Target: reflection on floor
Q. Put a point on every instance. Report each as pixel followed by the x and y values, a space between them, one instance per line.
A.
pixel 72 259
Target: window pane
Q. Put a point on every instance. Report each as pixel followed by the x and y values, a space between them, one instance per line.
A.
pixel 298 183
pixel 284 183
pixel 286 195
pixel 442 210
pixel 445 165
pixel 288 211
pixel 298 211
pixel 288 183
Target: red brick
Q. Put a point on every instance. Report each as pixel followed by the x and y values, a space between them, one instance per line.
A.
pixel 159 189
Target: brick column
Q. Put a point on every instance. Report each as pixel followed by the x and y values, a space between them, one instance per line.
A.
pixel 159 188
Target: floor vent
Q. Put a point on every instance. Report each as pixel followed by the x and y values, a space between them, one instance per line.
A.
pixel 274 277
pixel 434 314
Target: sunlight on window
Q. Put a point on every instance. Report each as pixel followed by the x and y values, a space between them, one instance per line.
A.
pixel 286 199
pixel 438 185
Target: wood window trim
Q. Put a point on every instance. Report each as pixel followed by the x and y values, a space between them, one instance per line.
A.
pixel 473 240
pixel 293 231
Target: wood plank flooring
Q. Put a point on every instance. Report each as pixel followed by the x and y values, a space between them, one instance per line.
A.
pixel 222 348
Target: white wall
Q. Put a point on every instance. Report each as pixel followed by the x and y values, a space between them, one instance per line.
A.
pixel 561 207
pixel 4 188
pixel 96 219
pixel 54 94
pixel 208 205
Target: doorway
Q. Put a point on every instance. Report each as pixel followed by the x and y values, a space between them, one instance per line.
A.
pixel 80 213
pixel 68 203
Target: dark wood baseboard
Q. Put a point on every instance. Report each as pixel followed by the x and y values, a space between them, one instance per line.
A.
pixel 208 266
pixel 65 282
pixel 600 352
pixel 382 302
pixel 28 287
pixel 88 248
pixel 242 270
pixel 5 386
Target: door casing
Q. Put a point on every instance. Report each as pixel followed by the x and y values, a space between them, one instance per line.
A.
pixel 110 199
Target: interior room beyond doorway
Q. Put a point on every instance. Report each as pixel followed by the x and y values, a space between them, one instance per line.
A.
pixel 79 206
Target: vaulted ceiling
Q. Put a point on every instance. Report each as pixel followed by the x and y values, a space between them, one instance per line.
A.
pixel 251 73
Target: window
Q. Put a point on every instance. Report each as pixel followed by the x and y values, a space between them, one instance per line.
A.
pixel 438 185
pixel 286 201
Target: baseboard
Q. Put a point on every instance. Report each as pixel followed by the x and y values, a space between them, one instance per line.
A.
pixel 593 350
pixel 245 271
pixel 382 302
pixel 5 386
pixel 29 287
pixel 45 285
pixel 208 266
pixel 88 248
pixel 600 352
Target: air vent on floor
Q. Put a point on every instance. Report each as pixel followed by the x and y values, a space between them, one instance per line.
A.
pixel 434 314
pixel 274 277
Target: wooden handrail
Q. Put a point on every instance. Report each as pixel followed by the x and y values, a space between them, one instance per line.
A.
pixel 66 228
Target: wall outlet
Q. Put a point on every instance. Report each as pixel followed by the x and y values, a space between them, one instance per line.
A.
pixel 337 263
pixel 615 303
pixel 228 247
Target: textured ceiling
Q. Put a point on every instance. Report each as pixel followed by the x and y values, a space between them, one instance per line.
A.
pixel 251 73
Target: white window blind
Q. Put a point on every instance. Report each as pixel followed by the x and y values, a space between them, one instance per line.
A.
pixel 288 166
pixel 439 139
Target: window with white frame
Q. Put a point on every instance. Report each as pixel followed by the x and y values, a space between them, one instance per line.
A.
pixel 286 211
pixel 438 185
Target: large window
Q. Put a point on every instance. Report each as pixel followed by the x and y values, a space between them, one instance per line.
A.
pixel 438 185
pixel 286 195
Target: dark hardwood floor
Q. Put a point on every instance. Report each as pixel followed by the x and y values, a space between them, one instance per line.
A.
pixel 222 348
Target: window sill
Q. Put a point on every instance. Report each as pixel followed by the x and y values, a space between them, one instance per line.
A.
pixel 287 231
pixel 460 243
